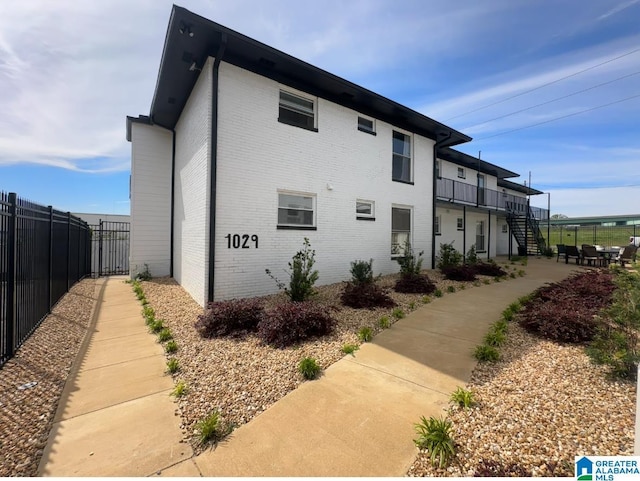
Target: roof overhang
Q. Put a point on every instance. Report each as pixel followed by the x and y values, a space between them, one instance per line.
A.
pixel 474 163
pixel 518 188
pixel 191 39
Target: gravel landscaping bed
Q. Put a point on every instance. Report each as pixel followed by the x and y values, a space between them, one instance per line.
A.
pixel 31 383
pixel 241 377
pixel 538 407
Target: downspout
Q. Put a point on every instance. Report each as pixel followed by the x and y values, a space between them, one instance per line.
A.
pixel 173 208
pixel 436 146
pixel 214 164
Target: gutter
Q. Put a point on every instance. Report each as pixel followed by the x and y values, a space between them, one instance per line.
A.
pixel 214 164
pixel 436 146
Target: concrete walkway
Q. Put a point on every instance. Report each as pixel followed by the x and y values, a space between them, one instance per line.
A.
pixel 116 417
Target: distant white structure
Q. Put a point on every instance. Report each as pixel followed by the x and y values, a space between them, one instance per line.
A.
pixel 94 219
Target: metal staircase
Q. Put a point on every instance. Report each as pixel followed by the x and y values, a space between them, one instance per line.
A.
pixel 526 231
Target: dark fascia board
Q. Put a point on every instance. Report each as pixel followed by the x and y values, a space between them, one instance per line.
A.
pixel 466 160
pixel 518 188
pixel 176 80
pixel 141 119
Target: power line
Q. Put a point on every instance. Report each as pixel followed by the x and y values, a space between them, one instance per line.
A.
pixel 559 118
pixel 554 100
pixel 544 85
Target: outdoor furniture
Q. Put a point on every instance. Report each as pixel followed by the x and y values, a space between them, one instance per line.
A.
pixel 590 254
pixel 626 255
pixel 561 250
pixel 572 252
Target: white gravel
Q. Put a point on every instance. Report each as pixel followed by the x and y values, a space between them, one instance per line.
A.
pixel 31 383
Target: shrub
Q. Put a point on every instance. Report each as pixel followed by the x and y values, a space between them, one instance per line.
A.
pixel 463 398
pixel 226 317
pixel 489 269
pixel 366 296
pixel 156 325
pixel 309 368
pixel 171 347
pixel 410 264
pixel 384 322
pixel 472 257
pixel 209 428
pixel 293 322
pixel 494 338
pixel 459 273
pixel 362 272
pixel 426 299
pixel 180 389
pixel 451 289
pixel 448 256
pixel 173 366
pixel 349 348
pixel 434 435
pixel 302 277
pixel 564 311
pixel 415 284
pixel 144 274
pixel 548 252
pixel 148 313
pixel 165 335
pixel 365 334
pixel 397 313
pixel 437 293
pixel 484 353
pixel 500 326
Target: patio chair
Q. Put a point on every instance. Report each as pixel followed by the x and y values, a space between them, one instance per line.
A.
pixel 626 255
pixel 561 250
pixel 590 254
pixel 572 252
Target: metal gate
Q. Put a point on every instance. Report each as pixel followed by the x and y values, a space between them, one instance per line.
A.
pixel 109 248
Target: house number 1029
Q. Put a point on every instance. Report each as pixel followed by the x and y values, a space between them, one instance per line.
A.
pixel 241 241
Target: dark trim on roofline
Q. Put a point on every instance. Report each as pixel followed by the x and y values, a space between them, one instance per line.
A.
pixel 507 184
pixel 473 163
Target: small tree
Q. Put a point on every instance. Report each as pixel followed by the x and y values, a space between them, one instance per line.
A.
pixel 449 256
pixel 471 257
pixel 410 264
pixel 362 272
pixel 302 276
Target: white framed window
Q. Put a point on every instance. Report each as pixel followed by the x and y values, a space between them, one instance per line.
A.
pixel 400 229
pixel 505 229
pixel 461 173
pixel 366 125
pixel 401 171
pixel 296 211
pixel 480 247
pixel 460 223
pixel 365 210
pixel 296 110
pixel 437 225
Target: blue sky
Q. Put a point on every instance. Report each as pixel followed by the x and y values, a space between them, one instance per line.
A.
pixel 71 71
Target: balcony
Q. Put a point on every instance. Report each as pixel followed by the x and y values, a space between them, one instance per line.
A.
pixel 450 190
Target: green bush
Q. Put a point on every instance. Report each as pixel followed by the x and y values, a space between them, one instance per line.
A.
pixel 437 293
pixel 365 334
pixel 426 299
pixel 384 322
pixel 171 347
pixel 362 272
pixel 309 368
pixel 410 263
pixel 463 398
pixel 180 389
pixel 349 348
pixel 397 313
pixel 448 257
pixel 494 338
pixel 302 276
pixel 209 429
pixel 451 289
pixel 472 257
pixel 173 366
pixel 164 335
pixel 434 435
pixel 484 353
pixel 156 325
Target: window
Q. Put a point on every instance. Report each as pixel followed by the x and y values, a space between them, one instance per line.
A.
pixel 365 210
pixel 366 125
pixel 480 247
pixel 460 223
pixel 438 223
pixel 296 211
pixel 401 157
pixel 438 174
pixel 505 228
pixel 461 173
pixel 298 111
pixel 400 230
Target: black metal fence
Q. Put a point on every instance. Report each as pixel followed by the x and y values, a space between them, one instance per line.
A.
pixel 604 235
pixel 110 248
pixel 43 252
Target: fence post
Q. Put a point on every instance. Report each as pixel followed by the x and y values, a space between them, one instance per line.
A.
pixel 100 250
pixel 50 283
pixel 12 242
pixel 68 250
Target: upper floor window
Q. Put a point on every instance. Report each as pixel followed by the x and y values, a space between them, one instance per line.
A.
pixel 366 125
pixel 296 211
pixel 401 157
pixel 296 110
pixel 461 173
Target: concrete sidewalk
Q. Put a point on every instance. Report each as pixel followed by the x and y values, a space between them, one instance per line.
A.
pixel 116 417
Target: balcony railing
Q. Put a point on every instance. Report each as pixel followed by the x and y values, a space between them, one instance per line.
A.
pixel 461 193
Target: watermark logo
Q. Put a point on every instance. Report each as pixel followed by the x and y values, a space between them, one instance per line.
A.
pixel 607 468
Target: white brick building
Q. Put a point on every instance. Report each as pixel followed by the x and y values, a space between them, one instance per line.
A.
pixel 247 150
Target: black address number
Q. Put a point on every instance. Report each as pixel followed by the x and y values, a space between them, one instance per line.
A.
pixel 241 241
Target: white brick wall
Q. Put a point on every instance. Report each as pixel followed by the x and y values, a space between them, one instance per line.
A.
pixel 150 199
pixel 257 155
pixel 449 230
pixel 192 181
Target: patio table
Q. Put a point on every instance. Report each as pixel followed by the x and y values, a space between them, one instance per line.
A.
pixel 607 253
